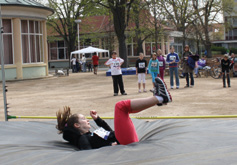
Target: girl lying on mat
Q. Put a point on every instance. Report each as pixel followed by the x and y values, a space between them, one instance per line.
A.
pixel 76 128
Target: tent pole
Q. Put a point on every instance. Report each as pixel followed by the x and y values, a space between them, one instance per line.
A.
pixel 2 67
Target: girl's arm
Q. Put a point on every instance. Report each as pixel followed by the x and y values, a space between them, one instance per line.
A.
pixel 99 121
pixel 83 143
pixel 149 66
pixel 107 63
pixel 168 59
pixel 177 58
pixel 158 67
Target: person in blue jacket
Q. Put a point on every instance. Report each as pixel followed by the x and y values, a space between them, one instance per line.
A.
pixel 153 68
pixel 173 60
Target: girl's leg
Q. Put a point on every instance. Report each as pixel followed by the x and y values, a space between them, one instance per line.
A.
pixel 139 81
pixel 224 85
pixel 192 79
pixel 162 74
pixel 153 78
pixel 144 81
pixel 228 79
pixel 171 78
pixel 187 79
pixel 124 129
pixel 176 76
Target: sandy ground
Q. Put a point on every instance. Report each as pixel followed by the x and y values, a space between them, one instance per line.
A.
pixel 86 91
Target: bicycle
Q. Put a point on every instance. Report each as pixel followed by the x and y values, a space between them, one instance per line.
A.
pixel 214 70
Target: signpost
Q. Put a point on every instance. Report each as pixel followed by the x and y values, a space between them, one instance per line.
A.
pixel 2 66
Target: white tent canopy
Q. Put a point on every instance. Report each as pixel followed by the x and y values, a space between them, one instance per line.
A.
pixel 89 49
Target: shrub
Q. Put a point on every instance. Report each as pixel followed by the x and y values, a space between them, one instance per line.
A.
pixel 233 50
pixel 217 48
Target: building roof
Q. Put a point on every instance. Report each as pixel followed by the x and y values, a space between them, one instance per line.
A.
pixel 25 3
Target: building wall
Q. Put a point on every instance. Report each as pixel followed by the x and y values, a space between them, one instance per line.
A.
pixel 33 69
pixel 34 72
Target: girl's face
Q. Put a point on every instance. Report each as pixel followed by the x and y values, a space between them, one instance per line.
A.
pixel 154 56
pixel 159 52
pixel 172 50
pixel 225 58
pixel 186 49
pixel 83 124
pixel 114 56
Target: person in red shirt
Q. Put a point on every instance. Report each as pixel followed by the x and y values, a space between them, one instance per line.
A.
pixel 95 60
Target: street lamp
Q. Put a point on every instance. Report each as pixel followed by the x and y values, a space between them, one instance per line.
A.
pixel 77 22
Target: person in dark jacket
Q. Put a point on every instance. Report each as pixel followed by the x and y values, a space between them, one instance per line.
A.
pixel 187 70
pixel 225 65
pixel 76 128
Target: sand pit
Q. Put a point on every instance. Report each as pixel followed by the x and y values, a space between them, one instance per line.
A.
pixel 86 91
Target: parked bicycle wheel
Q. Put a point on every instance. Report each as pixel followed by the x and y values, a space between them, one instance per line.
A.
pixel 216 73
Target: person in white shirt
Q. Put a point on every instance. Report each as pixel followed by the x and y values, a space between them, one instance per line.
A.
pixel 74 67
pixel 115 64
pixel 83 60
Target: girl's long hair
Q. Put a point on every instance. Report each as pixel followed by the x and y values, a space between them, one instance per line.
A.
pixel 65 119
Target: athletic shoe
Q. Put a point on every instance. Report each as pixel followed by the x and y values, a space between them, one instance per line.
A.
pixel 115 94
pixel 171 87
pixel 144 90
pixel 177 87
pixel 124 93
pixel 152 90
pixel 161 90
pixel 191 86
pixel 186 86
pixel 139 91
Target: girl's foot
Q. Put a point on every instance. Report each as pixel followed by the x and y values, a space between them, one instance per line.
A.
pixel 144 90
pixel 161 90
pixel 139 91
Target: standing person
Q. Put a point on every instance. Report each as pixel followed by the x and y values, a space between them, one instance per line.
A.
pixel 77 65
pixel 161 64
pixel 153 68
pixel 173 60
pixel 141 71
pixel 225 65
pixel 83 60
pixel 200 65
pixel 76 128
pixel 89 67
pixel 74 64
pixel 116 72
pixel 95 60
pixel 232 60
pixel 187 70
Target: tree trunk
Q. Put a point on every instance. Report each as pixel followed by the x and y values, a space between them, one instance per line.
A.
pixel 140 47
pixel 123 50
pixel 208 49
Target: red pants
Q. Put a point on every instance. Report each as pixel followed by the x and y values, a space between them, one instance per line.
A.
pixel 124 129
pixel 161 74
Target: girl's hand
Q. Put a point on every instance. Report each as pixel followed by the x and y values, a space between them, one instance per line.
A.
pixel 93 114
pixel 114 144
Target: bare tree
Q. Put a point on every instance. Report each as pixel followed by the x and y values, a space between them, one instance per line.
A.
pixel 157 22
pixel 63 20
pixel 205 14
pixel 120 10
pixel 178 12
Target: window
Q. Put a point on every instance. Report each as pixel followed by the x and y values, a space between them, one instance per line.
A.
pixel 7 41
pixel 32 41
pixel 58 50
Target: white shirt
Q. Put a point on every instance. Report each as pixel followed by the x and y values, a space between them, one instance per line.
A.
pixel 115 65
pixel 83 59
pixel 73 60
